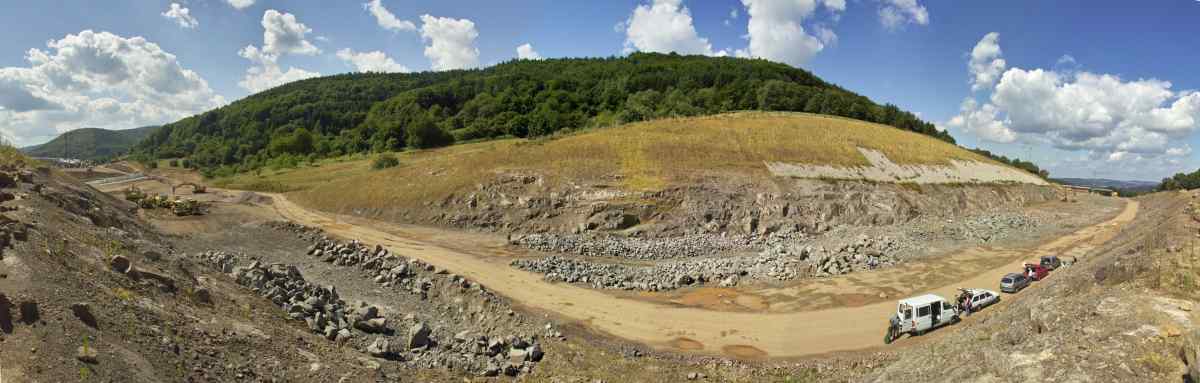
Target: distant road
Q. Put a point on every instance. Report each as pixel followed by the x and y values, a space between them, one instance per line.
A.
pixel 118 180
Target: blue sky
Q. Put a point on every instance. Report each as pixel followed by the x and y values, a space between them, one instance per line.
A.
pixel 1095 114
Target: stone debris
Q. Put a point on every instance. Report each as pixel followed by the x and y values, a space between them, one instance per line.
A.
pixel 785 257
pixel 600 245
pixel 83 312
pixel 423 345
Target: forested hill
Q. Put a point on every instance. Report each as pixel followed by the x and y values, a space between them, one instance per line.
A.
pixel 91 143
pixel 353 113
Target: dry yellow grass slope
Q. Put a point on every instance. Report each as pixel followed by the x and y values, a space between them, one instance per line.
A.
pixel 644 156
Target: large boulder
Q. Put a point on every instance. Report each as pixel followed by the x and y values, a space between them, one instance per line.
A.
pixel 418 336
pixel 373 325
pixel 382 348
pixel 1190 351
pixel 120 264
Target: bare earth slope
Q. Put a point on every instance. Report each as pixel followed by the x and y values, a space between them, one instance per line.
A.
pixel 1125 313
pixel 735 334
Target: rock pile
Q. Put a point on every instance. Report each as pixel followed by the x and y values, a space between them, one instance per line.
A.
pixel 303 232
pixel 686 246
pixel 982 228
pixel 318 306
pixel 593 245
pixel 411 341
pixel 783 256
pixel 782 262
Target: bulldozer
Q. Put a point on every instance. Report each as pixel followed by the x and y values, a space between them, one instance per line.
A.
pixel 186 207
pixel 134 194
pixel 155 202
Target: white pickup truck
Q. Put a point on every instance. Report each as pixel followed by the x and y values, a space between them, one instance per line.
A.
pixel 917 315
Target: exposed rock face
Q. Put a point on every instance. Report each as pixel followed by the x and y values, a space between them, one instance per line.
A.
pixel 526 204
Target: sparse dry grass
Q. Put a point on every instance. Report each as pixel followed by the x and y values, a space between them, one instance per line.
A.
pixel 646 156
pixel 11 157
pixel 1158 363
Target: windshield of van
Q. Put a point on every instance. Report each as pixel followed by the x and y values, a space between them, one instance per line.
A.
pixel 1006 280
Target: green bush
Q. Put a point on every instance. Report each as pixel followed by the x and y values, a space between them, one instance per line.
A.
pixel 384 161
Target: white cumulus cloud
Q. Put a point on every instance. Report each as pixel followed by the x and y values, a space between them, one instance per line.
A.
pixel 451 42
pixel 777 33
pixel 374 61
pixel 97 79
pixel 986 65
pixel 894 14
pixel 526 52
pixel 283 34
pixel 181 16
pixel 386 19
pixel 1102 114
pixel 665 26
pixel 240 4
pixel 265 72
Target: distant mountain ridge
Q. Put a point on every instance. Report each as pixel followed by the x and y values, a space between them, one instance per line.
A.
pixel 1108 183
pixel 91 143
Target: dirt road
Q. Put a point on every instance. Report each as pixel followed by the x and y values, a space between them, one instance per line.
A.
pixel 748 335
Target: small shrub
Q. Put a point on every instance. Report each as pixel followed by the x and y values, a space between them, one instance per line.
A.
pixel 173 163
pixel 123 294
pixel 384 161
pixel 1157 363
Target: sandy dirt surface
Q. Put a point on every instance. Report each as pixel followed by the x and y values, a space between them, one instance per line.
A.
pixel 883 169
pixel 670 327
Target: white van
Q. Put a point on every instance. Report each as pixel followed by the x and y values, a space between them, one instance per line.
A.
pixel 917 315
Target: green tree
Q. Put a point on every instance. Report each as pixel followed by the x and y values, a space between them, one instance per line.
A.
pixel 424 133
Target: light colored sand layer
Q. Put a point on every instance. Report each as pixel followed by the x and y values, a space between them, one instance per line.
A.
pixel 884 170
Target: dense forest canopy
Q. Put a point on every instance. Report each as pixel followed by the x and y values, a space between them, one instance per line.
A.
pixel 372 112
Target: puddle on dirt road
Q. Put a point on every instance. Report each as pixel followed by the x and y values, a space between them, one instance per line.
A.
pixel 686 344
pixel 744 352
pixel 712 298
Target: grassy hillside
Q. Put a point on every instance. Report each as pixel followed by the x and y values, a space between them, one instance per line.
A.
pixel 641 156
pixel 362 113
pixel 91 143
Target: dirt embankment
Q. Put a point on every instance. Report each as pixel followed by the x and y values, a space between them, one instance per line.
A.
pixel 91 292
pixel 1125 313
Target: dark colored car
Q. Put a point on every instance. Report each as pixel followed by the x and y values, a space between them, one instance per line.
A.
pixel 1051 262
pixel 1013 282
pixel 1036 272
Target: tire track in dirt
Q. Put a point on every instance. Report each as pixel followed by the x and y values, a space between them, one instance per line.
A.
pixel 686 329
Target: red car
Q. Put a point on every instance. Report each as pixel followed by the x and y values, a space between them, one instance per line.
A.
pixel 1035 271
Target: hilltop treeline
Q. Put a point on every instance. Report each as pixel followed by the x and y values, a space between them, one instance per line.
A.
pixel 1181 181
pixel 1015 162
pixel 355 113
pixel 91 144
